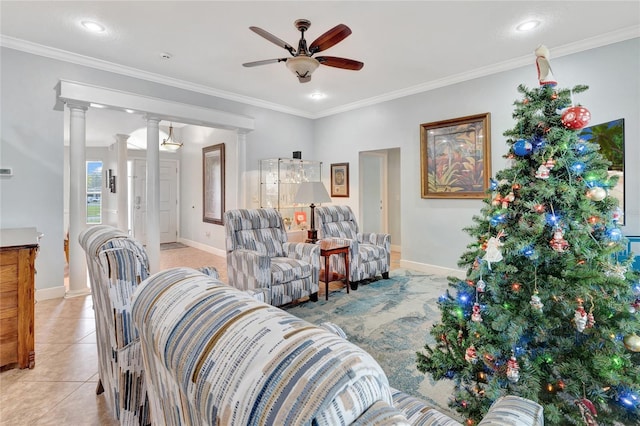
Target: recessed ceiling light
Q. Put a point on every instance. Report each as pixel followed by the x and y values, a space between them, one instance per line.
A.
pixel 528 25
pixel 130 111
pixel 92 26
pixel 166 55
pixel 317 96
pixel 96 105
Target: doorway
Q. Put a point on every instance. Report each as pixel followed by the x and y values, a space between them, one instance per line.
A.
pixel 168 214
pixel 380 209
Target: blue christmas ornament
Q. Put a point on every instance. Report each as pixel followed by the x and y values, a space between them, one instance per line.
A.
pixel 493 184
pixel 498 219
pixel 614 234
pixel 577 167
pixel 538 143
pixel 522 147
pixel 450 374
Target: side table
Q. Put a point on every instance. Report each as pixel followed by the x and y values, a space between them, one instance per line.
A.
pixel 328 248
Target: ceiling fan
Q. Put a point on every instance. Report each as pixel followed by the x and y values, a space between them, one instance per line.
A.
pixel 302 63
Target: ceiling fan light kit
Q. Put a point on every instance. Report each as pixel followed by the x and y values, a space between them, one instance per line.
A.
pixel 303 67
pixel 302 63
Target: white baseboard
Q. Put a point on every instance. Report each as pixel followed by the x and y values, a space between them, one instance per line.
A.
pixel 203 247
pixel 432 269
pixel 50 293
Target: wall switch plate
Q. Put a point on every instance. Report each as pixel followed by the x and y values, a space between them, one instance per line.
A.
pixel 6 171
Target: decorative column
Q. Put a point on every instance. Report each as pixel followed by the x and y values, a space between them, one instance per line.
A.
pixel 77 200
pixel 241 159
pixel 153 193
pixel 122 183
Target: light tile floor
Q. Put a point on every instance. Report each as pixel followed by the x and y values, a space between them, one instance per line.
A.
pixel 60 390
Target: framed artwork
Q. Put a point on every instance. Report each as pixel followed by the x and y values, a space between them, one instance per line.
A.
pixel 340 180
pixel 455 157
pixel 301 217
pixel 610 137
pixel 213 183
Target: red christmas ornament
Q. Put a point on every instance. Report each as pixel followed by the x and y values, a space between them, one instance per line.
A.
pixel 576 117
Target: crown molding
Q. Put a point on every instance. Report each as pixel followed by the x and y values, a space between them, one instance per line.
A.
pixel 87 61
pixel 568 49
pixel 559 51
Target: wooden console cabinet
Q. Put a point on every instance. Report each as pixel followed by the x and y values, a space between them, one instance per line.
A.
pixel 17 288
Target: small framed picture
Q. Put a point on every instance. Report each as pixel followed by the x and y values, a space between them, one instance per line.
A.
pixel 301 217
pixel 340 180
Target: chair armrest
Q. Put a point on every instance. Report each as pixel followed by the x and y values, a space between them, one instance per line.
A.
pixel 210 271
pixel 377 239
pixel 335 329
pixel 303 251
pixel 418 412
pixel 514 410
pixel 249 269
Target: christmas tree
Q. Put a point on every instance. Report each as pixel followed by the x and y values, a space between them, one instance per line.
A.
pixel 548 307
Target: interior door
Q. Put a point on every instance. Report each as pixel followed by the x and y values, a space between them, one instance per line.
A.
pixel 139 197
pixel 373 200
pixel 168 214
pixel 168 201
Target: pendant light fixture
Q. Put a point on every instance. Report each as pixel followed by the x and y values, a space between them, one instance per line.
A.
pixel 170 144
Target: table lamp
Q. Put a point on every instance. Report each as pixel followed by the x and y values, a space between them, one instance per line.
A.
pixel 310 193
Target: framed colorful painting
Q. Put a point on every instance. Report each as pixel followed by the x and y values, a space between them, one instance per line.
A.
pixel 455 157
pixel 610 137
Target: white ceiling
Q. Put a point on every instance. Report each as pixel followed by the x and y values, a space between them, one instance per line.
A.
pixel 406 46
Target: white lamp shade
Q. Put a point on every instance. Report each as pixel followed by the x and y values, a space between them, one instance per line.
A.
pixel 311 193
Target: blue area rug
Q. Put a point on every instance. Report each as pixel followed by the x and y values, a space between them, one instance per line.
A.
pixel 390 319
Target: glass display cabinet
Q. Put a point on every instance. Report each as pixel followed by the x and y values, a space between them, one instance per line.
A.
pixel 279 181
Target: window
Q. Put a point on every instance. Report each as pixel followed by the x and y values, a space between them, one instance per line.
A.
pixel 94 192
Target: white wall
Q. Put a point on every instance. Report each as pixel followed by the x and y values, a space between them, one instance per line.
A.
pixel 32 135
pixel 32 143
pixel 432 228
pixel 192 228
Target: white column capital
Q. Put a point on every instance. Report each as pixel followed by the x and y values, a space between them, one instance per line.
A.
pixel 152 118
pixel 122 137
pixel 78 105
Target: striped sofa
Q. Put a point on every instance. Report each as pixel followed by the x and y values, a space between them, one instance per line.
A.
pixel 369 253
pixel 117 264
pixel 214 355
pixel 259 258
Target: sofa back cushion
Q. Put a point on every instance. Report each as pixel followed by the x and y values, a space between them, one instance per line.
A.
pixel 260 230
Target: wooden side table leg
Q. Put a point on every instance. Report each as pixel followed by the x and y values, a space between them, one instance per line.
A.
pixel 326 277
pixel 346 267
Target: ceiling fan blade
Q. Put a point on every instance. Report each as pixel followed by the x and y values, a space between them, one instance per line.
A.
pixel 273 39
pixel 332 37
pixel 347 64
pixel 264 62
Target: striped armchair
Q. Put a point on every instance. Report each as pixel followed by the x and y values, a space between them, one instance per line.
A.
pixel 369 253
pixel 259 257
pixel 117 265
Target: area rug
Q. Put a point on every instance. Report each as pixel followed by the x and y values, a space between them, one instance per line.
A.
pixel 390 319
